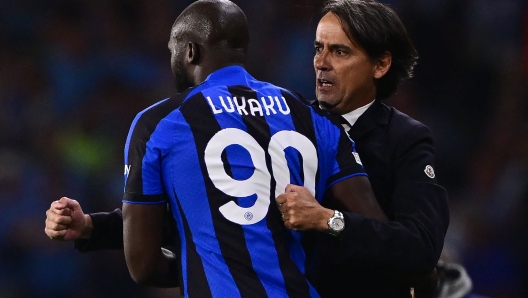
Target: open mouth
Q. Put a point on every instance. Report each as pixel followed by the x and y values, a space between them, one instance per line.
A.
pixel 324 83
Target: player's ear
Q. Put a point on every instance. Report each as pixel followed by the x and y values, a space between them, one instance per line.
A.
pixel 382 65
pixel 193 53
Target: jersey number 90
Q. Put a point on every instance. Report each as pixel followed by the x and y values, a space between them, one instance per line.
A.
pixel 260 182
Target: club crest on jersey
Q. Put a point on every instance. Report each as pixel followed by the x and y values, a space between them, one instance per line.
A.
pixel 429 171
pixel 248 216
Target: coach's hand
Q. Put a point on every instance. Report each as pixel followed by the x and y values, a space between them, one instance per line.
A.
pixel 65 221
pixel 301 211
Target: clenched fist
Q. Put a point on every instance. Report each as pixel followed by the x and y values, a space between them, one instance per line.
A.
pixel 301 211
pixel 66 221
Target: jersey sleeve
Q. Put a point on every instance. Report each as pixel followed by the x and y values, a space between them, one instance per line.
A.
pixel 143 159
pixel 107 232
pixel 347 162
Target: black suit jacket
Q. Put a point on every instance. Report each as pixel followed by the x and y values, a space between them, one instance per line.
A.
pixel 369 258
pixel 373 259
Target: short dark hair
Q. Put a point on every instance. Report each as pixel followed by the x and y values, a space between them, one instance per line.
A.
pixel 215 22
pixel 378 29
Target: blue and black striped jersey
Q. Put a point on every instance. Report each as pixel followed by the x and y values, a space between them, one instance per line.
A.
pixel 219 154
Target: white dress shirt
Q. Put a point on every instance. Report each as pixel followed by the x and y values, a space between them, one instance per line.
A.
pixel 352 117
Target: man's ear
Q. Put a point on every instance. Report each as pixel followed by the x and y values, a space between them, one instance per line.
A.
pixel 193 53
pixel 382 65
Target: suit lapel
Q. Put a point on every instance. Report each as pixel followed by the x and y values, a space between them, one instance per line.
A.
pixel 376 114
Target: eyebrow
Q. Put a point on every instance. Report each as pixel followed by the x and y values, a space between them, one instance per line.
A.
pixel 334 46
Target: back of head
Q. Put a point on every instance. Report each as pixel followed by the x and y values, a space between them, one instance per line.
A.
pixel 219 25
pixel 378 29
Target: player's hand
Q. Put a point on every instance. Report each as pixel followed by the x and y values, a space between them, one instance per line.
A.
pixel 301 211
pixel 66 221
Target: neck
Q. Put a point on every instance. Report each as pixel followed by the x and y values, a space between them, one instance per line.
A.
pixel 201 72
pixel 215 58
pixel 357 101
pixel 359 104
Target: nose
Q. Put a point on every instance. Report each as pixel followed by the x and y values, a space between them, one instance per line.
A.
pixel 321 61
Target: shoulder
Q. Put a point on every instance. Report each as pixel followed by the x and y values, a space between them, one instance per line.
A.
pixel 154 113
pixel 287 93
pixel 314 107
pixel 406 134
pixel 405 123
pixel 297 96
pixel 311 105
pixel 163 107
pixel 147 120
pixel 411 148
pixel 406 128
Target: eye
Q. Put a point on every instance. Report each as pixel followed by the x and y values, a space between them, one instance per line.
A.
pixel 340 52
pixel 318 49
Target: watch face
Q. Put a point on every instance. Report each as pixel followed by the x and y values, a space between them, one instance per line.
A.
pixel 337 224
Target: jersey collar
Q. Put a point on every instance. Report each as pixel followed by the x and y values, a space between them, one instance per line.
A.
pixel 229 75
pixel 233 74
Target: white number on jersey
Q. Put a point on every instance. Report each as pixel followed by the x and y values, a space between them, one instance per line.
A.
pixel 260 182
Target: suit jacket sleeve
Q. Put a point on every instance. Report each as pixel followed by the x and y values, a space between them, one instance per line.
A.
pixel 413 240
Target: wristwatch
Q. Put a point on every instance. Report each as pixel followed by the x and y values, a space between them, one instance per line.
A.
pixel 336 223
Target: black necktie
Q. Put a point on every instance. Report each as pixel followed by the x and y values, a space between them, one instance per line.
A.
pixel 346 125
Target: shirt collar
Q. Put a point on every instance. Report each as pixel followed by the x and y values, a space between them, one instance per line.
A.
pixel 352 117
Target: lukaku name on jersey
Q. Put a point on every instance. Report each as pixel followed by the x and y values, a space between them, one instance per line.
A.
pixel 219 154
pixel 255 107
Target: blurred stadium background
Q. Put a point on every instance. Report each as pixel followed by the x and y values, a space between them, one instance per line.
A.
pixel 73 74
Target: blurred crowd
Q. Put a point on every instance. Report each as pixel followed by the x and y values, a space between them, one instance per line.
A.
pixel 74 73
